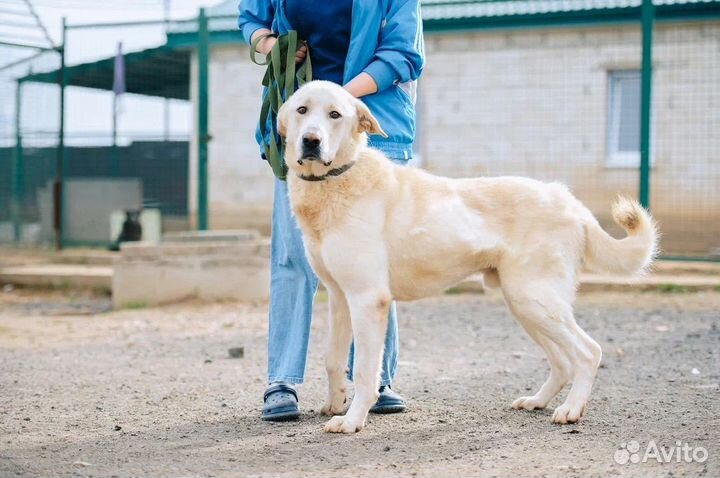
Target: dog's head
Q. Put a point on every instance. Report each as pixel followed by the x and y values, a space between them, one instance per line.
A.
pixel 323 126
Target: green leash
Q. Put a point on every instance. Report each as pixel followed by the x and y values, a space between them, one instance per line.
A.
pixel 280 78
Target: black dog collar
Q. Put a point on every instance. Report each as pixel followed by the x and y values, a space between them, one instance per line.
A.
pixel 331 173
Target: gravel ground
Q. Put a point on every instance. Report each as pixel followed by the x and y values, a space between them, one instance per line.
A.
pixel 153 392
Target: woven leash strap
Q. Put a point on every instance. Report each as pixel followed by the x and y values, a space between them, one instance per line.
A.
pixel 281 78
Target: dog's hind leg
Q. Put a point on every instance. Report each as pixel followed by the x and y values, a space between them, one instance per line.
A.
pixel 543 307
pixel 587 356
pixel 338 345
pixel 560 375
pixel 368 312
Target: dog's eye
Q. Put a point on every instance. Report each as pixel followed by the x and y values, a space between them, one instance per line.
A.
pixel 335 115
pixel 302 110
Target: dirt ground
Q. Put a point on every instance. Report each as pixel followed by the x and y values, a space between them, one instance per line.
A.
pixel 153 392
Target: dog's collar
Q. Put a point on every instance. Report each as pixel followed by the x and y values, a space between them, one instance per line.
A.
pixel 330 173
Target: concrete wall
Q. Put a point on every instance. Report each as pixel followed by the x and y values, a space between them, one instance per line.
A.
pixel 527 102
pixel 151 273
pixel 240 182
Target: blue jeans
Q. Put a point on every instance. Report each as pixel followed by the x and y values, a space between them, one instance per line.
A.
pixel 292 290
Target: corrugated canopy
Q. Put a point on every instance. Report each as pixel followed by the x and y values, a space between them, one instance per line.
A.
pixel 160 71
pixel 448 9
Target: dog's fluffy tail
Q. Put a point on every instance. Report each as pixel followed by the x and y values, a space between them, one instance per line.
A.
pixel 631 255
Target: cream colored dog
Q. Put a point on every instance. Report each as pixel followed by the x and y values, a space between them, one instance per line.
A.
pixel 374 232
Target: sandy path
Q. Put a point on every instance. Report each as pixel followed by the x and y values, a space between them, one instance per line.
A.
pixel 70 377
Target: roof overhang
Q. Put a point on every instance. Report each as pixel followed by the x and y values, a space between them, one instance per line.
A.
pixel 161 71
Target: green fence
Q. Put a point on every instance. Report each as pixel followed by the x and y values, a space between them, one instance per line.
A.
pixel 112 141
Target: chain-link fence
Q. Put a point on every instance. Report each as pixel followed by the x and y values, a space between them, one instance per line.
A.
pixel 561 100
pixel 28 148
pixel 685 175
pixel 126 131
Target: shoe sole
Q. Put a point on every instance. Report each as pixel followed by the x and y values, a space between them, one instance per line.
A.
pixel 386 410
pixel 284 414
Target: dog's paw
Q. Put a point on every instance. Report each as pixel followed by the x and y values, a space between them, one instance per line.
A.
pixel 341 424
pixel 334 407
pixel 335 403
pixel 528 403
pixel 565 414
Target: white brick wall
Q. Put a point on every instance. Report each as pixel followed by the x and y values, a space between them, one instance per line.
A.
pixel 525 102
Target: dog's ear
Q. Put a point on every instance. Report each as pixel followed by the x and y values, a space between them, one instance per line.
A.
pixel 282 119
pixel 366 121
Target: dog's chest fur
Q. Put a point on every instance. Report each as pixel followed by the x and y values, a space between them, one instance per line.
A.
pixel 321 206
pixel 318 209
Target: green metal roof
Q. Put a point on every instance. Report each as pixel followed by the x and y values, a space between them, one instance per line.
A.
pixel 444 15
pixel 160 71
pixel 453 13
pixel 449 9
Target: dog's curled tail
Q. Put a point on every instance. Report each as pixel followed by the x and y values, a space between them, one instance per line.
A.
pixel 631 255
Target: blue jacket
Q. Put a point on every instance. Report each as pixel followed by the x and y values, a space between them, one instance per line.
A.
pixel 386 42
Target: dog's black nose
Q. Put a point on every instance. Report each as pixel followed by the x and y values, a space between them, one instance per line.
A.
pixel 311 141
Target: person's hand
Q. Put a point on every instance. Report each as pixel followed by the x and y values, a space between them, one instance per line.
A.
pixel 266 45
pixel 301 54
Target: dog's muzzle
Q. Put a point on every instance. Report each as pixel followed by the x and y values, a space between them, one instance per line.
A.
pixel 310 150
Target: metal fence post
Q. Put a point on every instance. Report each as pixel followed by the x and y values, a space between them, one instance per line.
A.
pixel 18 180
pixel 648 18
pixel 60 159
pixel 203 138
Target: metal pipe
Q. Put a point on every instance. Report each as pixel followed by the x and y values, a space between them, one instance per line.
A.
pixel 18 181
pixel 203 57
pixel 648 16
pixel 25 45
pixel 141 22
pixel 166 106
pixel 60 162
pixel 40 24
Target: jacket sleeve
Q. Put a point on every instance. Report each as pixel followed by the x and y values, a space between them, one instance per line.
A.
pixel 400 55
pixel 254 15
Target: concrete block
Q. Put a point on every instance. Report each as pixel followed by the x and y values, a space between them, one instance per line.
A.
pixel 58 275
pixel 241 235
pixel 151 274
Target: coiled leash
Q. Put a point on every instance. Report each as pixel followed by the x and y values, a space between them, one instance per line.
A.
pixel 281 78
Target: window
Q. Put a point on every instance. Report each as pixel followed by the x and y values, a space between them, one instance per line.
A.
pixel 624 119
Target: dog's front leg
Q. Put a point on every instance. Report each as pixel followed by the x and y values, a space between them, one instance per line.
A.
pixel 368 313
pixel 338 345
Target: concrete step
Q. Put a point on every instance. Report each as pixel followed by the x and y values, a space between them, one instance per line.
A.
pixel 85 257
pixel 194 237
pixel 58 276
pixel 665 282
pixel 678 282
pixel 686 267
pixel 101 276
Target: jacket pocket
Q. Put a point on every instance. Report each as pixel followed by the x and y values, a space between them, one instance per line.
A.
pixel 409 90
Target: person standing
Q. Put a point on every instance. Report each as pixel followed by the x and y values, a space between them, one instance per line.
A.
pixel 374 48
